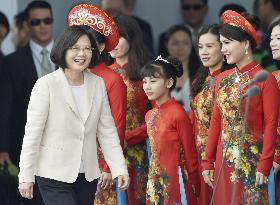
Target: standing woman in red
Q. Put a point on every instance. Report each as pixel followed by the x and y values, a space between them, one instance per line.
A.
pixel 106 36
pixel 248 157
pixel 130 55
pixel 203 87
pixel 275 47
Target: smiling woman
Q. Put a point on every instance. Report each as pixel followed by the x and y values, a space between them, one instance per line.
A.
pixel 241 145
pixel 74 95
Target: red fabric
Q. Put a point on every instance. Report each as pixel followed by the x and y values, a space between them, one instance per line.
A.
pixel 235 19
pixel 277 150
pixel 169 128
pixel 116 91
pixel 136 155
pixel 201 110
pixel 98 20
pixel 261 133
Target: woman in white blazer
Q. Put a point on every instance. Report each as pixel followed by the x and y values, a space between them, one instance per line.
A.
pixel 68 109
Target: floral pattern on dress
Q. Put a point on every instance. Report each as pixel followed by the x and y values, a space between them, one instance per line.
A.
pixel 136 155
pixel 277 148
pixel 202 105
pixel 241 154
pixel 157 185
pixel 108 196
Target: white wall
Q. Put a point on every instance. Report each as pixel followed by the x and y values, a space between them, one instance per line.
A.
pixel 160 13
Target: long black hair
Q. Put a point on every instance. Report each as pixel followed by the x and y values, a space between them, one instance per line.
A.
pixel 193 59
pixel 203 72
pixel 164 68
pixel 138 53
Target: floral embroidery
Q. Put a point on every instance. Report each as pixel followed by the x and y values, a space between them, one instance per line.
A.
pixel 157 180
pixel 277 148
pixel 202 105
pixel 136 155
pixel 241 154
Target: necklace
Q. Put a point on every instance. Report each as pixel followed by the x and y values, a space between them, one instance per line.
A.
pixel 238 76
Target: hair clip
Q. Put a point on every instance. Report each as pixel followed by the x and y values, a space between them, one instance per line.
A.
pixel 159 58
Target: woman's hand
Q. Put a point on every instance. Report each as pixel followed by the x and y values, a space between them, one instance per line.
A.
pixel 276 167
pixel 105 181
pixel 26 190
pixel 123 182
pixel 260 179
pixel 208 176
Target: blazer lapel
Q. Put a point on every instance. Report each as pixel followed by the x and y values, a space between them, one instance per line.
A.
pixel 66 90
pixel 90 86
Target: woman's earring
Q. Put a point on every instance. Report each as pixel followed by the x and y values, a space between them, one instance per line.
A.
pixel 246 51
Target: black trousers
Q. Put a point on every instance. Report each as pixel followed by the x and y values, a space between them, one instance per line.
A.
pixel 81 192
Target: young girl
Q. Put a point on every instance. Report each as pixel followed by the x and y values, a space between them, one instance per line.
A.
pixel 203 87
pixel 241 148
pixel 275 47
pixel 170 134
pixel 130 55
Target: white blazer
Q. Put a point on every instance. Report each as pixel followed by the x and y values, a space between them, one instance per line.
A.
pixel 56 137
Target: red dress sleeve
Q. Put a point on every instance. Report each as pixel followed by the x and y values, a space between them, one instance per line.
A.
pixel 117 97
pixel 192 118
pixel 138 134
pixel 213 136
pixel 187 139
pixel 271 97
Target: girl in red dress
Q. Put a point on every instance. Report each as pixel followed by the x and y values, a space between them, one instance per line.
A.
pixel 275 47
pixel 203 87
pixel 170 133
pixel 242 152
pixel 130 55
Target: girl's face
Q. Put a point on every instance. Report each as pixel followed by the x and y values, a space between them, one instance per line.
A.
pixel 233 50
pixel 209 49
pixel 156 88
pixel 78 57
pixel 179 45
pixel 121 49
pixel 275 42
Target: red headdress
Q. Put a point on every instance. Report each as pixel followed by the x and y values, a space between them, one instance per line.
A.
pixel 98 20
pixel 235 19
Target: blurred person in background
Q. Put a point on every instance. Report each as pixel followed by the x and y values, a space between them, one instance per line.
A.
pixel 114 7
pixel 20 30
pixel 4 30
pixel 20 70
pixel 193 14
pixel 179 44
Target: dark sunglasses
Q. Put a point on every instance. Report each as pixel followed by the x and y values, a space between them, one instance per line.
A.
pixel 37 22
pixel 195 7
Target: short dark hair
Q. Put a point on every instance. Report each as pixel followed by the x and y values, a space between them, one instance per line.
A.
pixel 232 6
pixel 20 18
pixel 67 39
pixel 38 5
pixel 238 34
pixel 4 21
